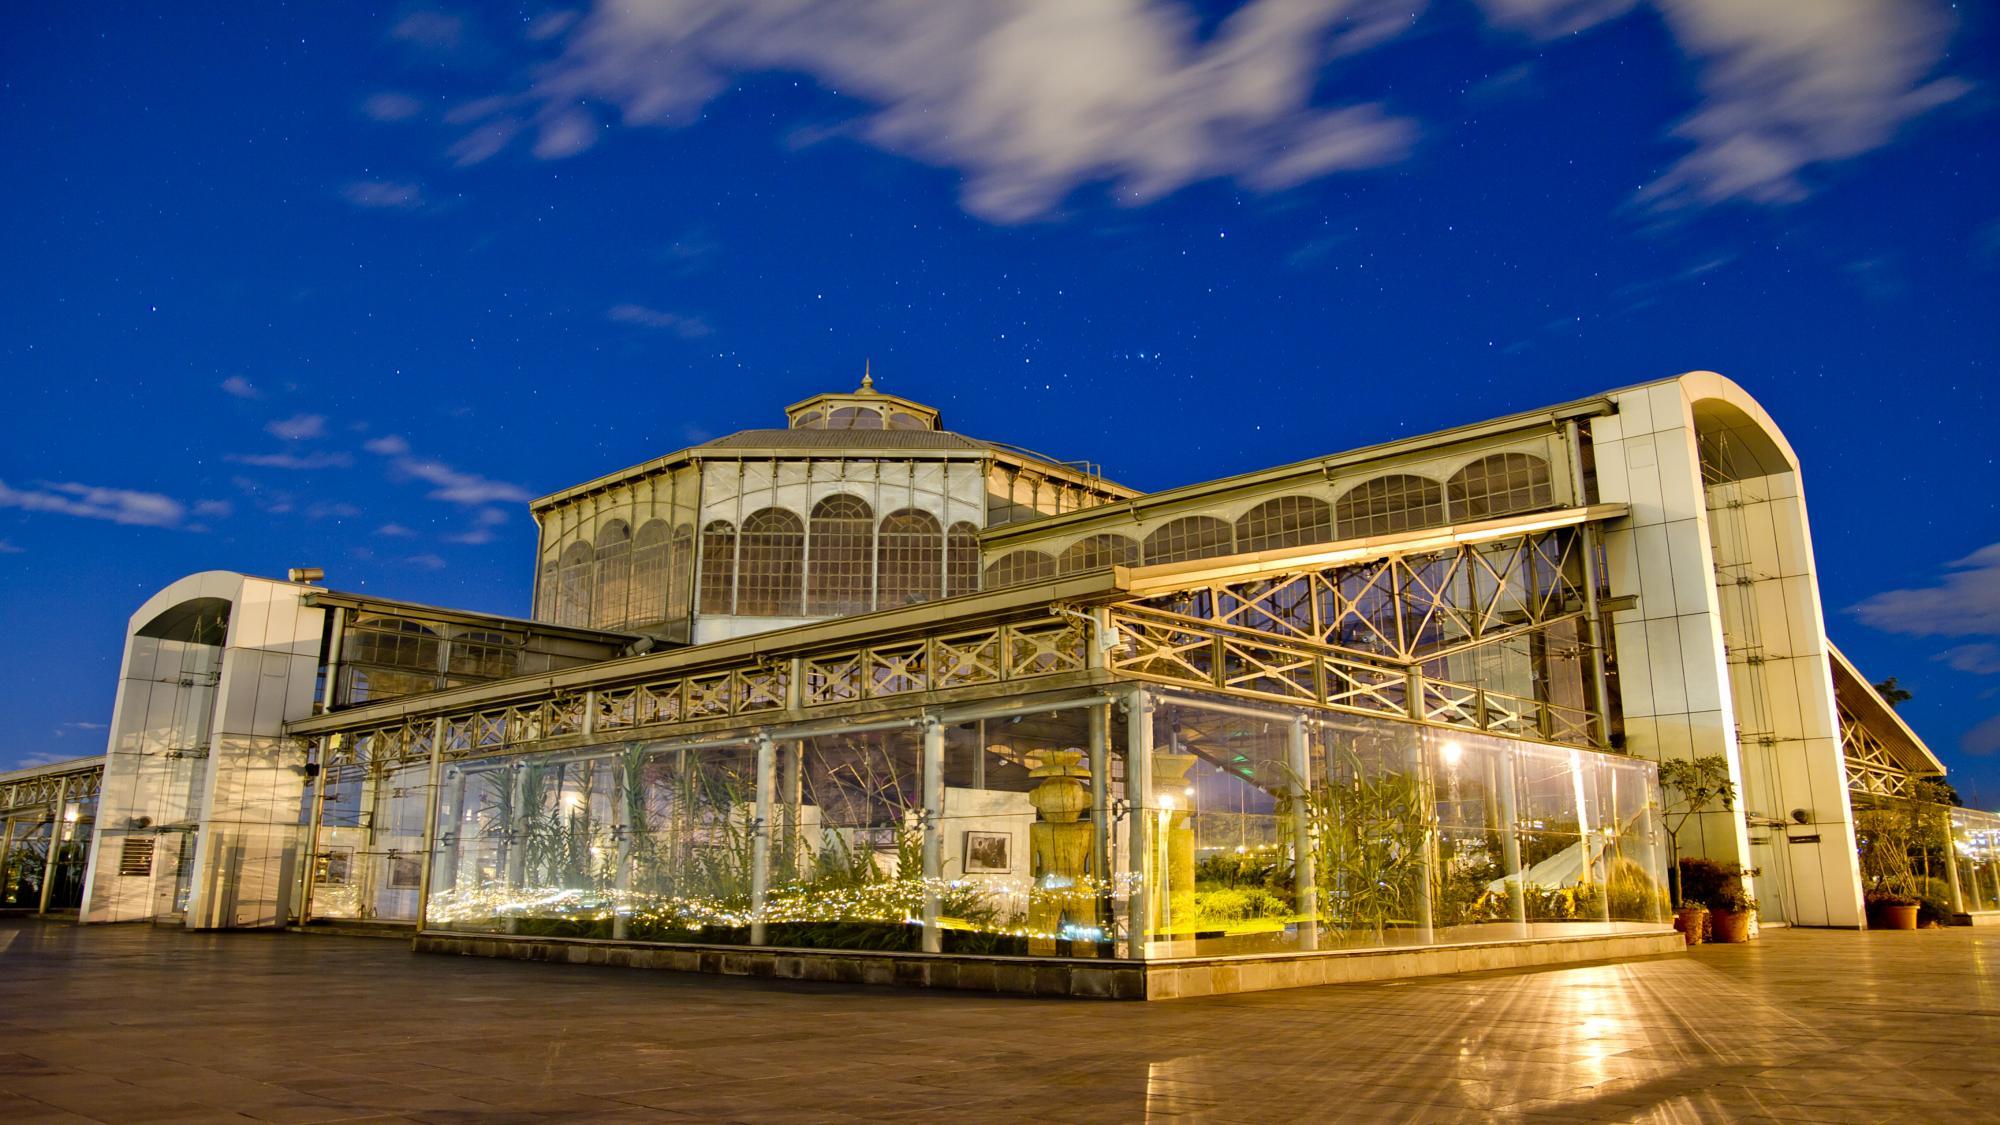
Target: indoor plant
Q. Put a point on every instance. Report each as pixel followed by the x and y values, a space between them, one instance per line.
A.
pixel 1691 919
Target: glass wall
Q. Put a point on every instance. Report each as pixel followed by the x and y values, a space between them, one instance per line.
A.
pixel 368 858
pixel 1024 832
pixel 1270 831
pixel 1976 849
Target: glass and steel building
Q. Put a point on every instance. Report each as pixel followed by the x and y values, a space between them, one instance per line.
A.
pixel 861 698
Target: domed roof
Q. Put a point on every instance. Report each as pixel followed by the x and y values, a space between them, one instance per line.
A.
pixel 863 408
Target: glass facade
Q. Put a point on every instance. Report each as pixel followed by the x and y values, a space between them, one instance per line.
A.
pixel 1976 851
pixel 1026 830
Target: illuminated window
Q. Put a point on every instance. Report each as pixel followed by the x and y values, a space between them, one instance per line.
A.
pixel 1398 502
pixel 1499 485
pixel 1190 537
pixel 911 558
pixel 771 574
pixel 1099 551
pixel 613 583
pixel 573 596
pixel 1283 521
pixel 482 654
pixel 961 560
pixel 718 568
pixel 680 571
pixel 1020 566
pixel 843 545
pixel 649 573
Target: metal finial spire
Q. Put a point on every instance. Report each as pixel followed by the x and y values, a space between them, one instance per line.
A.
pixel 867 375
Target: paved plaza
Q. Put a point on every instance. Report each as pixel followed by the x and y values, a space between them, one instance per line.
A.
pixel 137 1024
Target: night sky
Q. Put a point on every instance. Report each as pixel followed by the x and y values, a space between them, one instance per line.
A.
pixel 345 286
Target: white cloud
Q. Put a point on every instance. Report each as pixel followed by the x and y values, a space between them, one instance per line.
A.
pixel 451 484
pixel 686 327
pixel 299 427
pixel 430 28
pixel 395 531
pixel 7 548
pixel 426 561
pixel 67 729
pixel 1788 85
pixel 1982 739
pixel 118 505
pixel 1030 100
pixel 1977 660
pixel 390 195
pixel 214 509
pixel 1966 603
pixel 302 461
pixel 391 106
pixel 240 387
pixel 483 529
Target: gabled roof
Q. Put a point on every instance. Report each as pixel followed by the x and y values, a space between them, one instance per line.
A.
pixel 1853 690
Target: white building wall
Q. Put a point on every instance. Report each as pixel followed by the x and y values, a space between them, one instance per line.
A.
pixel 1694 683
pixel 196 746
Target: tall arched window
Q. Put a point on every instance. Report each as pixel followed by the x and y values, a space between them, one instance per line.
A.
pixel 573 597
pixel 680 571
pixel 1397 502
pixel 649 573
pixel 843 545
pixel 771 577
pixel 614 575
pixel 1284 521
pixel 910 559
pixel 1190 537
pixel 1098 551
pixel 545 594
pixel 1020 566
pixel 718 568
pixel 961 560
pixel 1497 486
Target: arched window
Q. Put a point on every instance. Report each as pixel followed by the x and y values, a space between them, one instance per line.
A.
pixel 545 593
pixel 1497 486
pixel 961 560
pixel 1099 551
pixel 910 560
pixel 843 544
pixel 573 587
pixel 614 575
pixel 1190 537
pixel 718 568
pixel 649 573
pixel 771 578
pixel 1284 521
pixel 898 420
pixel 1020 566
pixel 1397 502
pixel 680 571
pixel 851 418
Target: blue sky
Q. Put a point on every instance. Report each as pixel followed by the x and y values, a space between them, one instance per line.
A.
pixel 344 286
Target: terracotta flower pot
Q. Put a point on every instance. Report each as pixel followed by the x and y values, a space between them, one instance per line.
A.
pixel 1730 926
pixel 1692 922
pixel 1895 918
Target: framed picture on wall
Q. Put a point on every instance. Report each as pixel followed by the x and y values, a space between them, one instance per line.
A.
pixel 331 866
pixel 988 853
pixel 406 872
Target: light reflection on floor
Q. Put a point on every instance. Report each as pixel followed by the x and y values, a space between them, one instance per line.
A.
pixel 133 1024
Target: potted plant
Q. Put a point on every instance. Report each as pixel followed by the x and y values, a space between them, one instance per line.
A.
pixel 1689 786
pixel 1729 914
pixel 1691 919
pixel 1890 909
